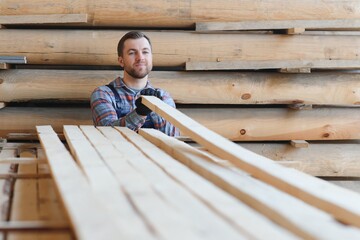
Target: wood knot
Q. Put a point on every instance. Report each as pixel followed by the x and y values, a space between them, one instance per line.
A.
pixel 246 96
pixel 242 131
pixel 326 135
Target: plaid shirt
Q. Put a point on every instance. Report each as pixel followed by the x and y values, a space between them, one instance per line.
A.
pixel 104 113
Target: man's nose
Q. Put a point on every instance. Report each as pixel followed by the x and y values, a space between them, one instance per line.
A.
pixel 140 56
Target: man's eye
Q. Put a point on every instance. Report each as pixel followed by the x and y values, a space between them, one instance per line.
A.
pixel 146 52
pixel 131 53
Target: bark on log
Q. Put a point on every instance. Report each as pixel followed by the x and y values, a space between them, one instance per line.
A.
pixel 190 87
pixel 86 47
pixel 154 13
pixel 253 124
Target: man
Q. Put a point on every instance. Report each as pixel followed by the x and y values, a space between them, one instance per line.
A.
pixel 119 102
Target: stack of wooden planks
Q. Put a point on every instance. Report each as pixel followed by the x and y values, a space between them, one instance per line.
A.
pixel 115 183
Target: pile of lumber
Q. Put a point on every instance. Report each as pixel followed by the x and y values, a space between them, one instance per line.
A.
pixel 151 186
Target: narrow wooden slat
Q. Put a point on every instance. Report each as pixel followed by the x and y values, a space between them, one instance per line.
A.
pixel 338 24
pixel 339 202
pixel 83 210
pixel 192 217
pixel 23 160
pixel 43 19
pixel 21 226
pixel 233 211
pixel 273 64
pixel 106 187
pixel 299 143
pixel 25 201
pixel 291 213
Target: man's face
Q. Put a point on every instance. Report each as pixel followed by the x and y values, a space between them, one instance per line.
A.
pixel 137 58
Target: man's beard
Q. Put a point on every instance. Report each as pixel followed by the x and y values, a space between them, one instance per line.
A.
pixel 137 74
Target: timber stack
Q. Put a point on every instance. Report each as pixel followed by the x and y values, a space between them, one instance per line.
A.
pixel 279 78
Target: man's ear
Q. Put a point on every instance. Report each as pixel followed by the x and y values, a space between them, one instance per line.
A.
pixel 121 61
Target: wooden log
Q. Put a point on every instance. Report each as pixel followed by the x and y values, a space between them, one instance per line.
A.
pixel 258 124
pixel 98 47
pixel 164 13
pixel 43 19
pixel 206 88
pixel 343 205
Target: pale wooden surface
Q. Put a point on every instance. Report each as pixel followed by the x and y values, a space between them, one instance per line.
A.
pixel 238 124
pixel 235 212
pixel 272 64
pixel 82 208
pixel 43 19
pixel 329 88
pixel 338 24
pixel 283 209
pixel 185 215
pixel 185 13
pixel 318 193
pixel 90 47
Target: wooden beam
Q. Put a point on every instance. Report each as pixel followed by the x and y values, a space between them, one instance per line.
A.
pixel 177 48
pixel 191 217
pixel 43 19
pixel 208 193
pixel 106 187
pixel 339 159
pixel 342 204
pixel 281 208
pixel 287 24
pixel 299 143
pixel 237 124
pixel 26 226
pixel 166 14
pixel 4 66
pixel 82 208
pixel 15 160
pixel 273 64
pixel 207 87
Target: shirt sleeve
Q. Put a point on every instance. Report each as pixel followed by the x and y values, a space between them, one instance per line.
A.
pixel 160 123
pixel 104 113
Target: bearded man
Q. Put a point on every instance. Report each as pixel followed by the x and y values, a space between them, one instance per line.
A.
pixel 119 102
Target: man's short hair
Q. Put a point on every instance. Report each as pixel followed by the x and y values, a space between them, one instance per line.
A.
pixel 130 35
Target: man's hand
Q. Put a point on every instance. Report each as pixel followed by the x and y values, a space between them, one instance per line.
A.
pixel 141 109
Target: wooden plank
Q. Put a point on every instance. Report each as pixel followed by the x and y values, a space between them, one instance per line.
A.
pixel 26 226
pixel 25 201
pixel 299 143
pixel 342 204
pixel 338 24
pixel 233 211
pixel 186 216
pixel 272 64
pixel 4 65
pixel 16 160
pixel 24 175
pixel 43 19
pixel 163 13
pixel 237 124
pixel 176 48
pixel 106 187
pixel 283 209
pixel 206 87
pixel 83 210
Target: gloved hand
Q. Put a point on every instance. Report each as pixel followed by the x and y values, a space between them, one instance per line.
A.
pixel 141 109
